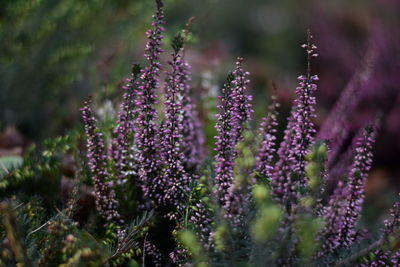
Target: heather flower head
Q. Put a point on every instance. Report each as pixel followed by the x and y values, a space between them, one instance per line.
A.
pixel 193 135
pixel 334 216
pixel 281 178
pixel 267 132
pixel 106 203
pixel 304 129
pixel 289 172
pixel 344 207
pixel 241 108
pixel 235 111
pixel 392 226
pixel 239 199
pixel 356 185
pixel 122 142
pixel 225 144
pixel 146 124
pixel 175 178
pixel 343 165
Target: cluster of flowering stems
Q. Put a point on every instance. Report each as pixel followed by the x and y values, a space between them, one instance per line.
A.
pixel 164 168
pixel 161 169
pixel 288 175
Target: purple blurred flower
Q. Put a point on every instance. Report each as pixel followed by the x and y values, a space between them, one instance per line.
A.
pixel 336 128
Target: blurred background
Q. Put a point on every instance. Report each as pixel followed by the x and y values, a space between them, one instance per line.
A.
pixel 54 54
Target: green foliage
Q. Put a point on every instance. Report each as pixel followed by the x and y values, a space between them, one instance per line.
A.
pixel 316 165
pixel 307 228
pixel 54 51
pixel 13 233
pixel 269 217
pixel 190 241
pixel 8 164
pixel 40 166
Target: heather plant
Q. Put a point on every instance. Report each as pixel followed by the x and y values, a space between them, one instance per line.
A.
pixel 161 201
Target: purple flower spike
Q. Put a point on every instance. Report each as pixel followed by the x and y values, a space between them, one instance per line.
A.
pixel 122 142
pixel 193 136
pixel 201 218
pixel 283 187
pixel 334 216
pixel 356 185
pixel 146 125
pixel 241 108
pixel 266 151
pixel 104 193
pixel 344 207
pixel 235 111
pixel 304 129
pixel 289 171
pixel 225 142
pixel 175 178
